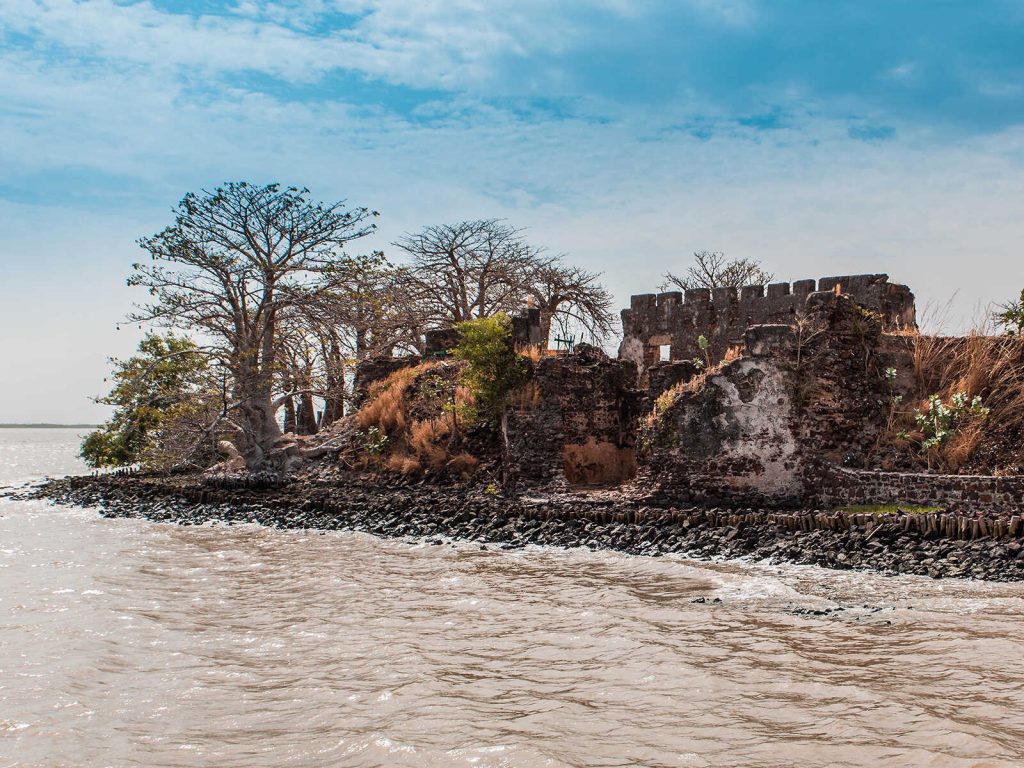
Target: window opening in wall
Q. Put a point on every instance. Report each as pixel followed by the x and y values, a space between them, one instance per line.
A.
pixel 665 352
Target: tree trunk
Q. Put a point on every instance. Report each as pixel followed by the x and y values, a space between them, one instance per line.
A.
pixel 262 431
pixel 334 398
pixel 257 414
pixel 305 417
pixel 290 422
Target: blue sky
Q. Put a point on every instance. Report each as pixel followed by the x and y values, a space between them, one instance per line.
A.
pixel 820 137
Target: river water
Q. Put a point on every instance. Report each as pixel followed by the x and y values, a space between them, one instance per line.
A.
pixel 126 643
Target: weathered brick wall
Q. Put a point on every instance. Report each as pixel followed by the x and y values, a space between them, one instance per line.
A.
pixel 375 369
pixel 745 433
pixel 838 487
pixel 722 315
pixel 574 421
pixel 730 439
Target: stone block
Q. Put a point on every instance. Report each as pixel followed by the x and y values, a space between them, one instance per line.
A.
pixel 803 287
pixel 764 340
pixel 698 296
pixel 723 297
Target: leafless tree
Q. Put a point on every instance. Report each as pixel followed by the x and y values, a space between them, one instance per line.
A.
pixel 372 308
pixel 570 297
pixel 234 262
pixel 367 313
pixel 303 370
pixel 472 269
pixel 711 269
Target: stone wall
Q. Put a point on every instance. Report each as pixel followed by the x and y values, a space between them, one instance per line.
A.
pixel 839 487
pixel 746 432
pixel 527 331
pixel 574 422
pixel 375 369
pixel 728 439
pixel 796 419
pixel 722 315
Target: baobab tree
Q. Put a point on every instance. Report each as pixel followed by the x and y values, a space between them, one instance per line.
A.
pixel 234 262
pixel 571 297
pixel 367 313
pixel 712 269
pixel 473 269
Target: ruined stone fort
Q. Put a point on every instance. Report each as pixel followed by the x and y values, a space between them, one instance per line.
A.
pixel 784 402
pixel 666 326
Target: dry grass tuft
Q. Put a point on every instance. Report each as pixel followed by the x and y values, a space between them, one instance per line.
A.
pixel 424 438
pixel 463 463
pixel 990 367
pixel 735 352
pixel 386 402
pixel 533 352
pixel 959 448
pixel 422 426
pixel 598 463
pixel 526 397
pixel 404 464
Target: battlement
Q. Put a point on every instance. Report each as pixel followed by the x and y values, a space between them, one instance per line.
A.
pixel 667 325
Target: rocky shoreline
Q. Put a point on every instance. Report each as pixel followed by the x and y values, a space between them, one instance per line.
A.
pixel 607 522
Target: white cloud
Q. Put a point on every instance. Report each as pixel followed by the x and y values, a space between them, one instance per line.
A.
pixel 140 117
pixel 449 44
pixel 425 44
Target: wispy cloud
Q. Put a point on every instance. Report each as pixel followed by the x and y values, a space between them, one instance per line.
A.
pixel 818 137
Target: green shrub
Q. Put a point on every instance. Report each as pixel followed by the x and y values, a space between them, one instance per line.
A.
pixel 161 397
pixel 1011 317
pixel 493 366
pixel 940 420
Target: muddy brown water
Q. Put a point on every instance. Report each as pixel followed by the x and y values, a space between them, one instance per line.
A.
pixel 127 643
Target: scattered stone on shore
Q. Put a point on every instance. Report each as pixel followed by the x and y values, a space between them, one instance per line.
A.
pixel 431 513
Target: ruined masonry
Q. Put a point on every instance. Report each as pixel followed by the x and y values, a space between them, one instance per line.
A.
pixel 788 420
pixel 666 326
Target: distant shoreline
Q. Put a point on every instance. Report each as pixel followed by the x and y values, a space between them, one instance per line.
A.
pixel 48 426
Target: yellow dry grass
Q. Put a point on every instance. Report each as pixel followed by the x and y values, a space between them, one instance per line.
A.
pixel 424 438
pixel 735 352
pixel 598 463
pixel 990 367
pixel 532 352
pixel 416 445
pixel 463 463
pixel 404 464
pixel 525 398
pixel 385 407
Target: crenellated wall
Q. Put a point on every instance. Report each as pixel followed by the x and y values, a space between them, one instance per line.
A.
pixel 721 315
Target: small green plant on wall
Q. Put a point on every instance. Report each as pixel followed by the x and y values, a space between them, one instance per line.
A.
pixel 704 362
pixel 1010 317
pixel 939 420
pixel 374 441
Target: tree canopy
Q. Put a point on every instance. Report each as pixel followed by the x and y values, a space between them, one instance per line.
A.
pixel 712 269
pixel 259 277
pixel 164 389
pixel 233 266
pixel 483 268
